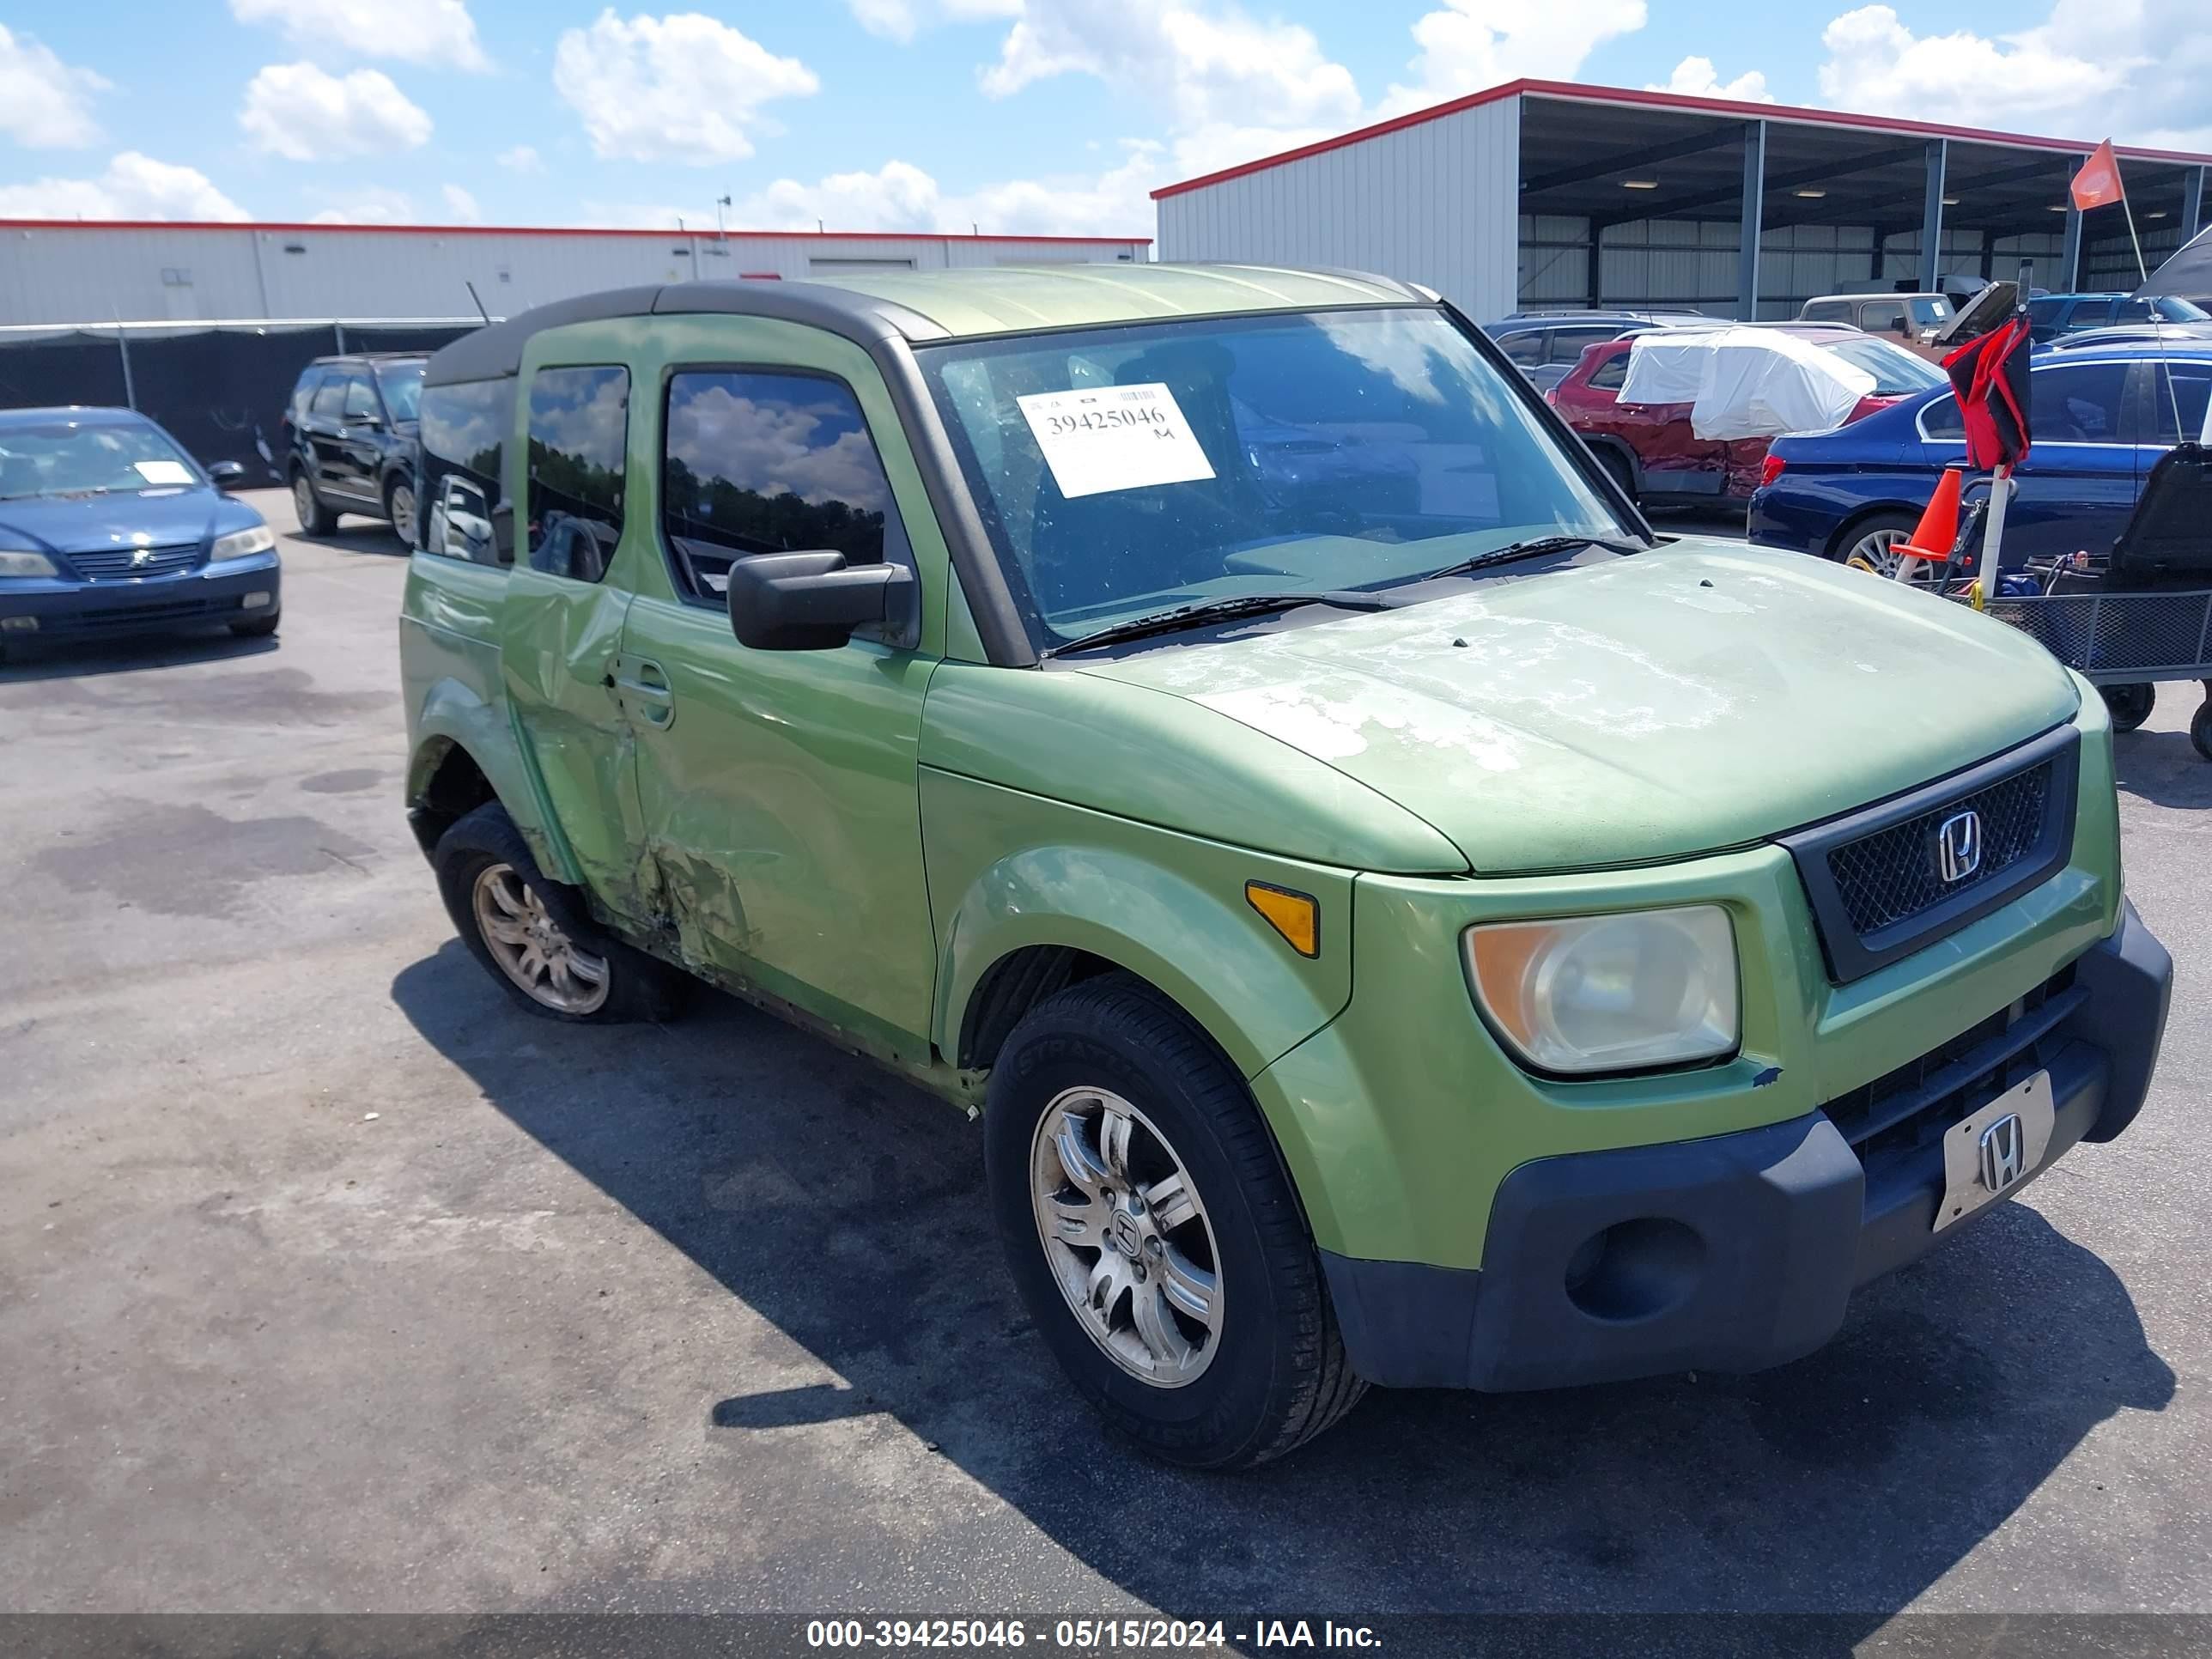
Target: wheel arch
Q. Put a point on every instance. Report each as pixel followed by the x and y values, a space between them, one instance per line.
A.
pixel 465 753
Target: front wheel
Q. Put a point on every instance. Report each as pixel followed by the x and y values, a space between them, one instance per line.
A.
pixel 533 935
pixel 1153 1235
pixel 2130 705
pixel 2200 727
pixel 1872 545
pixel 400 508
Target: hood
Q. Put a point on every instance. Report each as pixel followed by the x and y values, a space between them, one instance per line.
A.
pixel 86 524
pixel 1702 695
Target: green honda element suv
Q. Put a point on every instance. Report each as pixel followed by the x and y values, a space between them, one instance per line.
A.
pixel 1398 919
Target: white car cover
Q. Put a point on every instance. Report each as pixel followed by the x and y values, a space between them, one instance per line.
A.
pixel 1744 382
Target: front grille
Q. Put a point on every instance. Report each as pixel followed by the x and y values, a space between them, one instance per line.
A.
pixel 1895 874
pixel 1875 878
pixel 1897 1115
pixel 112 564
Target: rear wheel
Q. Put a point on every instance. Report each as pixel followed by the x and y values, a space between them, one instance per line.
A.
pixel 535 936
pixel 1873 542
pixel 2200 725
pixel 315 519
pixel 1623 473
pixel 1153 1234
pixel 2130 705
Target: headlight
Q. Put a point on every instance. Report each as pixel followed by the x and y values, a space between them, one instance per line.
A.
pixel 1609 993
pixel 26 564
pixel 240 542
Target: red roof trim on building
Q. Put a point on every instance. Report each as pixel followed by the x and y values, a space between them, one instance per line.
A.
pixel 1576 92
pixel 560 230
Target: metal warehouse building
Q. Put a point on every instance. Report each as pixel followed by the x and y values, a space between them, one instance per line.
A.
pixel 67 271
pixel 1548 194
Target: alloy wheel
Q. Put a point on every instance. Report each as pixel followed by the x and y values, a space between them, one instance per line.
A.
pixel 403 512
pixel 1126 1237
pixel 1878 548
pixel 303 500
pixel 532 948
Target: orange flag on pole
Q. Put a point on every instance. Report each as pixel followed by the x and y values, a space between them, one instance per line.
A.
pixel 2098 184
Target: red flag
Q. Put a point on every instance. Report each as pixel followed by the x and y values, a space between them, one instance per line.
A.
pixel 1989 374
pixel 2098 184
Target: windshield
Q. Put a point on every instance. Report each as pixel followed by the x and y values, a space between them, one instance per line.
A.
pixel 402 386
pixel 1931 311
pixel 1897 372
pixel 1126 470
pixel 71 457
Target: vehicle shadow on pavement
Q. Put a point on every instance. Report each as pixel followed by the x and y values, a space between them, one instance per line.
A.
pixel 2162 767
pixel 366 536
pixel 69 661
pixel 848 1209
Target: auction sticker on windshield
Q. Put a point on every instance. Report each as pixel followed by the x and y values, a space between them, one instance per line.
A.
pixel 1118 437
pixel 163 472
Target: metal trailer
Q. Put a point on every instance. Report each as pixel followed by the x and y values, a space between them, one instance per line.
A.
pixel 2124 644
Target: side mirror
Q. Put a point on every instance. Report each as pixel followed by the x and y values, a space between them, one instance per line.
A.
pixel 362 421
pixel 812 601
pixel 226 475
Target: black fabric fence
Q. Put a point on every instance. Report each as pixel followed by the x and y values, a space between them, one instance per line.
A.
pixel 221 392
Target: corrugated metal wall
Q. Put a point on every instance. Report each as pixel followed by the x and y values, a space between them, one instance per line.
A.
pixel 91 272
pixel 1432 204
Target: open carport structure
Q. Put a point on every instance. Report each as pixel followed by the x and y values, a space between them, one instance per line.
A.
pixel 1548 194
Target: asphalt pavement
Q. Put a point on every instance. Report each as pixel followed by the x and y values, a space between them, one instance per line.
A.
pixel 329 1280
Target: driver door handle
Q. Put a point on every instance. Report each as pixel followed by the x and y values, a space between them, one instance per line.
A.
pixel 643 688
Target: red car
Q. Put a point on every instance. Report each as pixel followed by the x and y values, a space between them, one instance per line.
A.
pixel 1650 448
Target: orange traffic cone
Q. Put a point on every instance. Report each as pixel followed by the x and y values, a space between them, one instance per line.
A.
pixel 1937 532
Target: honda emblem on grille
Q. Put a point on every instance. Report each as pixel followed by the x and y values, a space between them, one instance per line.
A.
pixel 1959 846
pixel 2004 1148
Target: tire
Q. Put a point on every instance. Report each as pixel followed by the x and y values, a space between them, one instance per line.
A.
pixel 484 850
pixel 316 519
pixel 400 508
pixel 2200 729
pixel 1269 1371
pixel 1623 473
pixel 260 628
pixel 1868 540
pixel 2130 705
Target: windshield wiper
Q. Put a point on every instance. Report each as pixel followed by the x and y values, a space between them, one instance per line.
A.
pixel 1534 547
pixel 1224 610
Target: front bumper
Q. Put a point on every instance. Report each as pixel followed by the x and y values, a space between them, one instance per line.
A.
pixel 216 592
pixel 1740 1251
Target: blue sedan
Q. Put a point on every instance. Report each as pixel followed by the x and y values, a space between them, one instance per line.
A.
pixel 107 527
pixel 2100 420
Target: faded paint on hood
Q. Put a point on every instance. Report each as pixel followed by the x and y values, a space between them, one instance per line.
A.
pixel 1698 696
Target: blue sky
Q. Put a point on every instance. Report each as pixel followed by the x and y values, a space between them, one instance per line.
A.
pixel 1039 116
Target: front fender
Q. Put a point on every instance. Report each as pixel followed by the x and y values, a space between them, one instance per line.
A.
pixel 1009 869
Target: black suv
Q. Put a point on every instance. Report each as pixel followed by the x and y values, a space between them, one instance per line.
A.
pixel 349 440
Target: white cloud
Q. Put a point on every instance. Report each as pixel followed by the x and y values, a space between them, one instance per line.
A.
pixel 901 20
pixel 45 104
pixel 901 197
pixel 1200 67
pixel 1878 66
pixel 776 447
pixel 303 114
pixel 1696 78
pixel 134 186
pixel 372 205
pixel 1473 44
pixel 461 207
pixel 521 159
pixel 683 88
pixel 437 32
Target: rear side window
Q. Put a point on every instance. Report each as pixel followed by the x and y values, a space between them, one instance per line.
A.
pixel 757 462
pixel 2187 384
pixel 464 513
pixel 1526 348
pixel 303 393
pixel 1610 375
pixel 2079 403
pixel 578 426
pixel 2089 314
pixel 1568 344
pixel 1827 311
pixel 1941 419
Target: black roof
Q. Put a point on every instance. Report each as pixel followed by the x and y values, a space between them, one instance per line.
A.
pixel 495 350
pixel 369 357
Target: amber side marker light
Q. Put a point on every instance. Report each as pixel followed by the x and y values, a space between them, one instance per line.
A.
pixel 1295 916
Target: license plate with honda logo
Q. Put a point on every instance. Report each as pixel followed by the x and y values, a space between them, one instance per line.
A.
pixel 1988 1153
